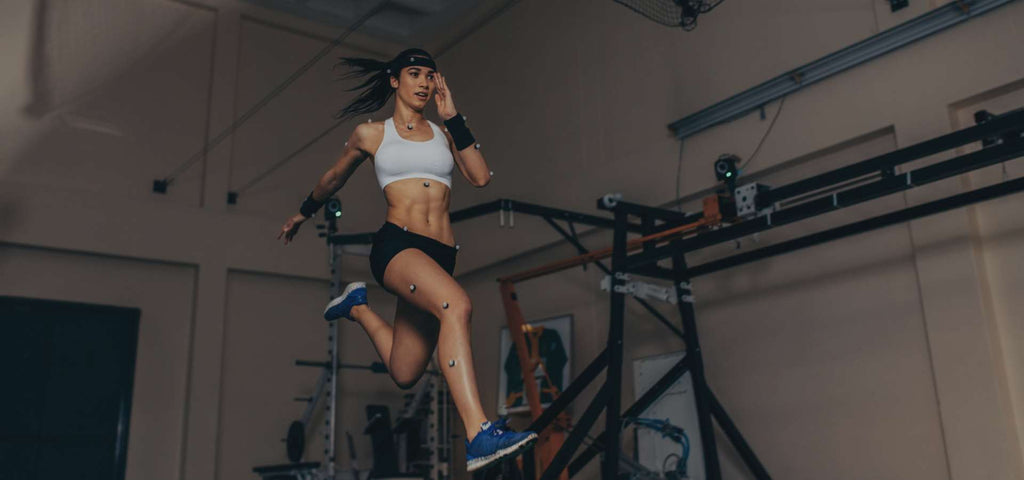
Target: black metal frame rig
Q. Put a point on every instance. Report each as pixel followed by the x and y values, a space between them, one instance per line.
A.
pixel 1002 141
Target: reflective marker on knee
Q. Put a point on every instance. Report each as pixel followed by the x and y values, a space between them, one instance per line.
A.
pixel 451 363
pixel 444 305
pixel 412 287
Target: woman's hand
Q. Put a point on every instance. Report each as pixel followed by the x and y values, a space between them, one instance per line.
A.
pixel 443 97
pixel 291 227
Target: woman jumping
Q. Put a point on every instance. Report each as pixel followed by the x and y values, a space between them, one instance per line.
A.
pixel 413 253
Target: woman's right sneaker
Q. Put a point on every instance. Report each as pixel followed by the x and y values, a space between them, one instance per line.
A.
pixel 494 444
pixel 341 307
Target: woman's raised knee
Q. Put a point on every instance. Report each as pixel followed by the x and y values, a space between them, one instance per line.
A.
pixel 406 382
pixel 459 310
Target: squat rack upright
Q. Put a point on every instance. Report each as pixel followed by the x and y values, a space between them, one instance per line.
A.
pixel 1001 137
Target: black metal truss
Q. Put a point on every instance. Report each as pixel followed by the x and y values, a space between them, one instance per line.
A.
pixel 852 196
pixel 645 262
pixel 886 163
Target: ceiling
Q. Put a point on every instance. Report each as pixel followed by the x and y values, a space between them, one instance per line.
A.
pixel 429 24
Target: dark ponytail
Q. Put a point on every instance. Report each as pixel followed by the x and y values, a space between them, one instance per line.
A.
pixel 376 90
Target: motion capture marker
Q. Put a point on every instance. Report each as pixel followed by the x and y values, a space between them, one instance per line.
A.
pixel 426 184
pixel 456 246
pixel 464 118
pixel 444 305
pixel 492 173
pixel 405 229
pixel 446 129
pixel 412 287
pixel 477 146
pixel 412 59
pixel 451 363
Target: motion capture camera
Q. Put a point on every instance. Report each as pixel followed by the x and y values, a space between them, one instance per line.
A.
pixel 609 200
pixel 333 208
pixel 725 168
pixel 727 172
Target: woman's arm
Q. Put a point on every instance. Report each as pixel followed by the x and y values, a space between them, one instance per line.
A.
pixel 355 152
pixel 470 161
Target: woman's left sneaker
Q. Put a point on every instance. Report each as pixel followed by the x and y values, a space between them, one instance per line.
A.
pixel 341 307
pixel 496 443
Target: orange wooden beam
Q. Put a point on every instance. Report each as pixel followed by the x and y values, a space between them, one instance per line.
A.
pixel 549 440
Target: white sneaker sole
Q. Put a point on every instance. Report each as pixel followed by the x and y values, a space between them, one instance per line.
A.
pixel 344 295
pixel 507 452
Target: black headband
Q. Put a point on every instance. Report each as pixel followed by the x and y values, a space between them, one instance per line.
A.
pixel 411 61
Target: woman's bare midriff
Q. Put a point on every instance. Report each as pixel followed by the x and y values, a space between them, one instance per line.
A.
pixel 423 209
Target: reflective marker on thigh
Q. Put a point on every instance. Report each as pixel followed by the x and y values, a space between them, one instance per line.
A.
pixel 412 287
pixel 444 305
pixel 451 363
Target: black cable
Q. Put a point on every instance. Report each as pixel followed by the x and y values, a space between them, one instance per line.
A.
pixel 308 144
pixel 288 158
pixel 765 136
pixel 317 138
pixel 273 93
pixel 665 460
pixel 679 170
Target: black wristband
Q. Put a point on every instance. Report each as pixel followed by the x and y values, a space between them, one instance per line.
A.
pixel 309 206
pixel 460 132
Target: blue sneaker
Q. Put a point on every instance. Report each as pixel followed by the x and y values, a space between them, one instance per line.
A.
pixel 496 443
pixel 341 307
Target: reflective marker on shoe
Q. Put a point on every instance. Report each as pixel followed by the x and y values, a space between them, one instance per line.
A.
pixel 341 307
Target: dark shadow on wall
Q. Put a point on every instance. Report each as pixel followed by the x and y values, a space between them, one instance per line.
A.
pixel 39 103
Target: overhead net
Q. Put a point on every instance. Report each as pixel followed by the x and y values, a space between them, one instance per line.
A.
pixel 672 13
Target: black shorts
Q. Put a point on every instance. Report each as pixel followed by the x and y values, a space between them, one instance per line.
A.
pixel 391 239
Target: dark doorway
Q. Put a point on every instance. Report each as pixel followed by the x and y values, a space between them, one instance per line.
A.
pixel 66 375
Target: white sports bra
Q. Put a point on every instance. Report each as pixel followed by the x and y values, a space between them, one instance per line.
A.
pixel 398 158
